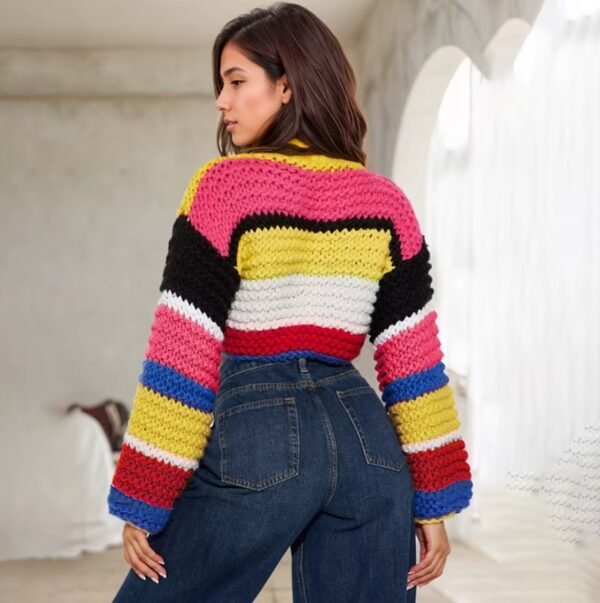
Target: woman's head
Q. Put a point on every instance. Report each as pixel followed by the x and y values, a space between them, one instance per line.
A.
pixel 294 81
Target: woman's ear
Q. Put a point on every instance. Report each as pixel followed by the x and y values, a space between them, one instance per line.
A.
pixel 286 93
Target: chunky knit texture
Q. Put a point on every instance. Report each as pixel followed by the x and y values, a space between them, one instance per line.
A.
pixel 275 256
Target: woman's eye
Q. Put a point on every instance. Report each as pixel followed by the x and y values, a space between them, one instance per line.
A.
pixel 236 81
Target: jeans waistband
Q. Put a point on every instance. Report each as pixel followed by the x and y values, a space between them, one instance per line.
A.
pixel 301 367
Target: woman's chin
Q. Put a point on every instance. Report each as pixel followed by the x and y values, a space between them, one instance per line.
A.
pixel 243 141
pixel 240 141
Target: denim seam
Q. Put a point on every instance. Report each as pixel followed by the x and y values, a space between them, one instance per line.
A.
pixel 301 572
pixel 280 401
pixel 293 444
pixel 245 369
pixel 351 391
pixel 331 450
pixel 372 459
pixel 333 378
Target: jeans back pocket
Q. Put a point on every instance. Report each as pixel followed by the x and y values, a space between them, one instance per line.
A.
pixel 259 442
pixel 378 438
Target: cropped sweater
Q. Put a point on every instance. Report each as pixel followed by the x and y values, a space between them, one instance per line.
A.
pixel 277 256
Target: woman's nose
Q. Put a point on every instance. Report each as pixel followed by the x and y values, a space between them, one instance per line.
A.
pixel 220 103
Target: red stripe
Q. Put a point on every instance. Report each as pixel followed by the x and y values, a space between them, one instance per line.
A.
pixel 148 479
pixel 436 469
pixel 323 340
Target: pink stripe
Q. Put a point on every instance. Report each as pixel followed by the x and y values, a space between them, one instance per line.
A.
pixel 234 188
pixel 411 351
pixel 185 346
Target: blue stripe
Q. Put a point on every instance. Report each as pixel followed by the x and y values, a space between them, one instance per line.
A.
pixel 142 514
pixel 168 382
pixel 452 498
pixel 413 386
pixel 290 356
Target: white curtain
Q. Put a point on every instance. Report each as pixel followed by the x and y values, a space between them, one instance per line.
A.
pixel 513 220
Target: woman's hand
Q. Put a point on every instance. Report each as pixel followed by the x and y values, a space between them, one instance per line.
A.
pixel 433 553
pixel 140 555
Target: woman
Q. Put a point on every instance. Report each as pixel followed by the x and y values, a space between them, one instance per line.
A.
pixel 286 253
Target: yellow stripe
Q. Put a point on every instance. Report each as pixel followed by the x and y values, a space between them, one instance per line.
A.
pixel 426 417
pixel 435 519
pixel 317 162
pixel 283 250
pixel 169 424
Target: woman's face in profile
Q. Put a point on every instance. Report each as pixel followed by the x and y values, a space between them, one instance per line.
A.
pixel 248 98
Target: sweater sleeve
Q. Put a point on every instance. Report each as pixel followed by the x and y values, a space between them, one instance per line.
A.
pixel 171 419
pixel 415 388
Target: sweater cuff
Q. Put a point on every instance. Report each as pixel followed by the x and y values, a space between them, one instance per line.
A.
pixel 436 506
pixel 141 514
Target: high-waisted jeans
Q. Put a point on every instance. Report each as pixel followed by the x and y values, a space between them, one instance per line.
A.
pixel 302 455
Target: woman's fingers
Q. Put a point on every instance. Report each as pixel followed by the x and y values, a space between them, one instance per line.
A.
pixel 426 567
pixel 147 556
pixel 140 556
pixel 438 572
pixel 428 558
pixel 425 576
pixel 129 562
pixel 434 551
pixel 150 552
pixel 139 567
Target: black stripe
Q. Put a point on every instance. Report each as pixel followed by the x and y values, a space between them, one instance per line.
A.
pixel 402 291
pixel 196 271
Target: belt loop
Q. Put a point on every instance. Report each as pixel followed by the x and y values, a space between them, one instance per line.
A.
pixel 302 364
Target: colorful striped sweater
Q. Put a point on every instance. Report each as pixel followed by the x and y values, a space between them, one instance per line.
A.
pixel 277 256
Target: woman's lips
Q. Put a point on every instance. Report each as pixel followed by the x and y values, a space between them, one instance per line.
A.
pixel 231 125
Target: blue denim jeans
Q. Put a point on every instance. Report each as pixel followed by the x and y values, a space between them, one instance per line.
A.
pixel 302 456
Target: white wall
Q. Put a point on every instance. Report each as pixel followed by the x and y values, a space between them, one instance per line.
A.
pixel 91 181
pixel 97 149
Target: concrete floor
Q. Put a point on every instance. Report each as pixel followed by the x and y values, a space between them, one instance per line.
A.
pixel 469 577
pixel 516 558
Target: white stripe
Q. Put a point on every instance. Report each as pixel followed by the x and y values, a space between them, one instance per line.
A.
pixel 336 301
pixel 433 443
pixel 402 325
pixel 185 308
pixel 157 453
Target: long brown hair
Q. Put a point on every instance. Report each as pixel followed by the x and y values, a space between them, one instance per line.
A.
pixel 287 38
